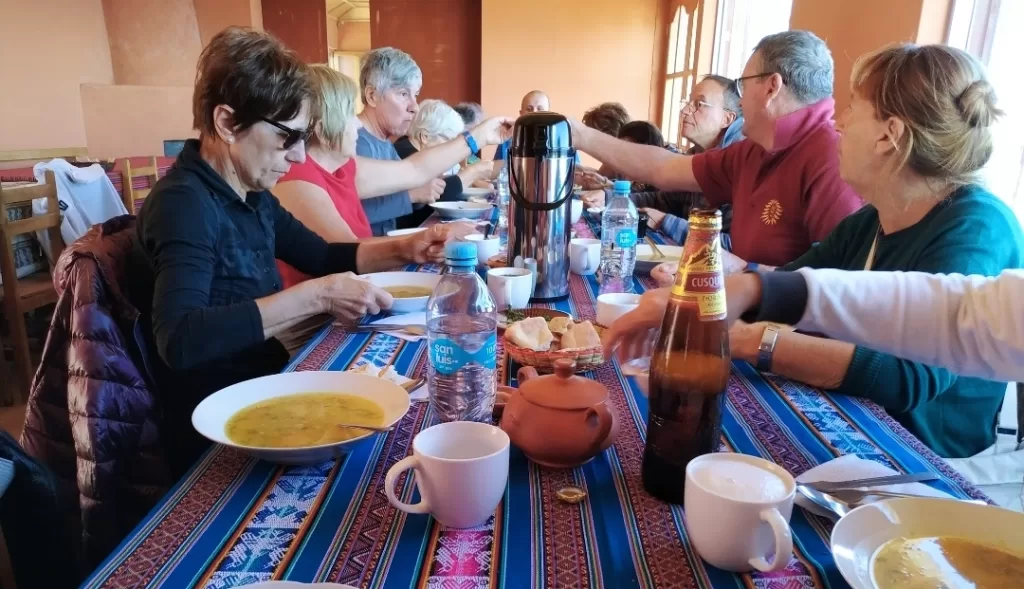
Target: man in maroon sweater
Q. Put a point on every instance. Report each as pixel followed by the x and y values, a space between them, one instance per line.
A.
pixel 783 180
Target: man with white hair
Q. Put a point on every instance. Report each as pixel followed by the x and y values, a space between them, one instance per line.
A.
pixel 390 82
pixel 434 124
pixel 783 180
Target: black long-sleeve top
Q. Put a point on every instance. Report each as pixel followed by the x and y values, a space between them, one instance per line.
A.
pixel 202 258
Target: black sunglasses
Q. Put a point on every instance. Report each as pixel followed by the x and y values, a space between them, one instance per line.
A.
pixel 292 136
pixel 739 81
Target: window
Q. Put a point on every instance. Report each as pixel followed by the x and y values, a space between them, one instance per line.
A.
pixel 990 30
pixel 741 24
pixel 680 64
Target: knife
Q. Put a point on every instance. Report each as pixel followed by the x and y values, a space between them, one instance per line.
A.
pixel 896 479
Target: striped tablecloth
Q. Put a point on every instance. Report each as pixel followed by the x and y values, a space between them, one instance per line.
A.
pixel 234 520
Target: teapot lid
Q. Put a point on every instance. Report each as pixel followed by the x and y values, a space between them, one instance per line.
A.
pixel 563 389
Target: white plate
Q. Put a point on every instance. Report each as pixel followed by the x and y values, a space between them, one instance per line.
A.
pixel 477 192
pixel 462 210
pixel 210 416
pixel 398 232
pixel 410 305
pixel 857 537
pixel 672 253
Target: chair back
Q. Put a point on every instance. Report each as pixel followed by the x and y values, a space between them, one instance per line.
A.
pixel 129 173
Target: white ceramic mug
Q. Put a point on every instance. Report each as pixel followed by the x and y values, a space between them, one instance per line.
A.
pixel 584 255
pixel 461 471
pixel 510 287
pixel 486 247
pixel 576 210
pixel 737 511
pixel 611 306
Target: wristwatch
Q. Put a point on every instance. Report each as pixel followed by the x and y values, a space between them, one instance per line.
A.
pixel 473 148
pixel 767 347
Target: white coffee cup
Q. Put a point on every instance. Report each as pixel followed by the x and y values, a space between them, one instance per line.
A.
pixel 576 210
pixel 584 255
pixel 510 287
pixel 461 471
pixel 486 247
pixel 611 306
pixel 737 511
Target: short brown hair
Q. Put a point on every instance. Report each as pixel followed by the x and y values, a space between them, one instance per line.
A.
pixel 942 96
pixel 607 118
pixel 251 72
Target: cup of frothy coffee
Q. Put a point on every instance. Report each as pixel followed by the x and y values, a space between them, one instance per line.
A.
pixel 737 511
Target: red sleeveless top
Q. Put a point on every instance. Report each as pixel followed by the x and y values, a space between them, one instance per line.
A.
pixel 341 187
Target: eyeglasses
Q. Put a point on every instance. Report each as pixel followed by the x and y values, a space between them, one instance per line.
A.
pixel 695 105
pixel 739 81
pixel 291 136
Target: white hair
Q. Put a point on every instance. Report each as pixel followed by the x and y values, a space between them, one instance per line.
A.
pixel 386 68
pixel 438 119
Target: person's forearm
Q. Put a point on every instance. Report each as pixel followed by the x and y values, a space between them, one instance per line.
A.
pixel 380 177
pixel 812 360
pixel 971 325
pixel 644 163
pixel 289 307
pixel 383 254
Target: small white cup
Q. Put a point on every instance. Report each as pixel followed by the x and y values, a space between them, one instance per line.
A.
pixel 461 471
pixel 576 211
pixel 510 287
pixel 486 247
pixel 734 525
pixel 584 255
pixel 613 305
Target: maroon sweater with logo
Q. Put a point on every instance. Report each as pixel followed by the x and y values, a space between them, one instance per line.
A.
pixel 784 200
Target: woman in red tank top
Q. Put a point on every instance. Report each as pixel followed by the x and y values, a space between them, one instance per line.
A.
pixel 324 192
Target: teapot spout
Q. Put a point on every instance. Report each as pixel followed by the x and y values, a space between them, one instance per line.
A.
pixel 526 373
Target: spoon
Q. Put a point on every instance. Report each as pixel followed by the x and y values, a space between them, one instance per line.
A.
pixel 654 248
pixel 829 503
pixel 412 385
pixel 372 428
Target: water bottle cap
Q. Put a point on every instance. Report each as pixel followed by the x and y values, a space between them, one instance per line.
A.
pixel 622 186
pixel 460 253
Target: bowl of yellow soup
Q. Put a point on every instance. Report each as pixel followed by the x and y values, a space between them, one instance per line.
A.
pixel 925 543
pixel 293 418
pixel 410 290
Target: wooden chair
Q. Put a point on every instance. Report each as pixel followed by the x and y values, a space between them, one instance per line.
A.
pixel 129 193
pixel 36 290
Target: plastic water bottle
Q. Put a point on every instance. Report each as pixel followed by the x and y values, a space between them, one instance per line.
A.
pixel 503 197
pixel 618 240
pixel 462 340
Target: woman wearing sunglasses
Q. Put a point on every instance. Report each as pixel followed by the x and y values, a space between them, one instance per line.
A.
pixel 211 297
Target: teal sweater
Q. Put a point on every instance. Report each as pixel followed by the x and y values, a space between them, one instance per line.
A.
pixel 972 232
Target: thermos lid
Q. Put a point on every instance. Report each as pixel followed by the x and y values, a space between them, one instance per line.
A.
pixel 544 134
pixel 460 253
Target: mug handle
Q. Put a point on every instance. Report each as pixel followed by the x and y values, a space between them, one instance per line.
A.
pixel 506 290
pixel 407 463
pixel 783 543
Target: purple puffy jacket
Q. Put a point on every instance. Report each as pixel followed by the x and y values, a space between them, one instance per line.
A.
pixel 92 417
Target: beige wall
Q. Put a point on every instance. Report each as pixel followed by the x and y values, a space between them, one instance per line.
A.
pixel 852 28
pixel 215 15
pixel 42 68
pixel 153 42
pixel 580 52
pixel 353 36
pixel 135 120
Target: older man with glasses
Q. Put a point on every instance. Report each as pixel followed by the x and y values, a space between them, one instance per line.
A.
pixel 783 180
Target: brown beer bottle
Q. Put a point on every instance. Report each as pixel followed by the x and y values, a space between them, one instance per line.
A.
pixel 690 365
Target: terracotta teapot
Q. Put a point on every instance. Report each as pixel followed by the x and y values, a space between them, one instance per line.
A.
pixel 560 420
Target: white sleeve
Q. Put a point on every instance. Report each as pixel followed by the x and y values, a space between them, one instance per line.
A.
pixel 970 325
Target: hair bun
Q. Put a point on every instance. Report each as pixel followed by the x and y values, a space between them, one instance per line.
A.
pixel 977 104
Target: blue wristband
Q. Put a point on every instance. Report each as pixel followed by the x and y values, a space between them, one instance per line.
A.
pixel 473 148
pixel 752 267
